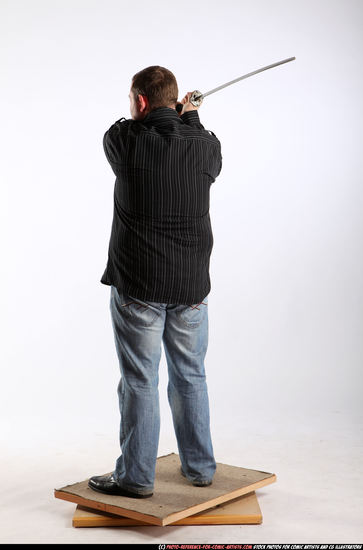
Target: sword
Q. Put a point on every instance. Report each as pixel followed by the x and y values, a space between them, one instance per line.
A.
pixel 197 97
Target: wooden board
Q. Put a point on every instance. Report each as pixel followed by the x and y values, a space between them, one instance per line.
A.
pixel 241 510
pixel 174 496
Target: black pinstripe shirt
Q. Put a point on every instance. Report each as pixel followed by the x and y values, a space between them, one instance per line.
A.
pixel 161 236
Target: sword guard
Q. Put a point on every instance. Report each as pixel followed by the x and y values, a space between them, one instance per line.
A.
pixel 195 99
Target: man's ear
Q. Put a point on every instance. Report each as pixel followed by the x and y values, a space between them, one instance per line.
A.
pixel 143 102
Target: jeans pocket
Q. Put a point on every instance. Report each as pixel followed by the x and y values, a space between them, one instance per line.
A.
pixel 138 312
pixel 192 315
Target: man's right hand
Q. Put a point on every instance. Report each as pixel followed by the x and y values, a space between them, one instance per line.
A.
pixel 187 106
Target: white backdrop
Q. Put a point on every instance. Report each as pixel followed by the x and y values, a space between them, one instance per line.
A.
pixel 285 309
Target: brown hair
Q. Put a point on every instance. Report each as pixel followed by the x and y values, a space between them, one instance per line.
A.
pixel 158 84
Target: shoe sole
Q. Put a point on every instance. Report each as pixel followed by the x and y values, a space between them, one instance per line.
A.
pixel 121 492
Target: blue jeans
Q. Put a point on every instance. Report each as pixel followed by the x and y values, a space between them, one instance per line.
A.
pixel 139 327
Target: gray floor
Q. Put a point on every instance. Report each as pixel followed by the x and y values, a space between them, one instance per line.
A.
pixel 317 458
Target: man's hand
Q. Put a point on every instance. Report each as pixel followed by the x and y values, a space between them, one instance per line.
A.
pixel 187 106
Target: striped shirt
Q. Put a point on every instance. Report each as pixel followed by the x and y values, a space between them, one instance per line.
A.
pixel 161 236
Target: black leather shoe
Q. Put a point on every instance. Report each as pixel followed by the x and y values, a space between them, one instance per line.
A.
pixel 107 484
pixel 197 483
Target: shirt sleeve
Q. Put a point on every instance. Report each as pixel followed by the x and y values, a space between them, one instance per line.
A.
pixel 113 146
pixel 215 157
pixel 215 162
pixel 192 119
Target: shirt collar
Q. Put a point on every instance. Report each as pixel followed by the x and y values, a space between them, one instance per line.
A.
pixel 161 114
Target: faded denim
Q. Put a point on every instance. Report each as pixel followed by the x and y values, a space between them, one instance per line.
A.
pixel 139 328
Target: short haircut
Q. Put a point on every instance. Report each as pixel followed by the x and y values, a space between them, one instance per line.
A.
pixel 158 84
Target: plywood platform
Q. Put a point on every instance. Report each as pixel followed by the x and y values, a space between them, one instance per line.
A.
pixel 241 510
pixel 174 498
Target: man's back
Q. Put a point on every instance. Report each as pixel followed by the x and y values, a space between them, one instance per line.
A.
pixel 161 237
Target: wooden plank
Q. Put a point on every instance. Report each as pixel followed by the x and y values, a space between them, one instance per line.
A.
pixel 174 496
pixel 242 510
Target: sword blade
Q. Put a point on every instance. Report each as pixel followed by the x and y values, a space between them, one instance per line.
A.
pixel 245 76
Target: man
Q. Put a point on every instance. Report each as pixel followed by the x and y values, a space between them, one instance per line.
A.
pixel 158 270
